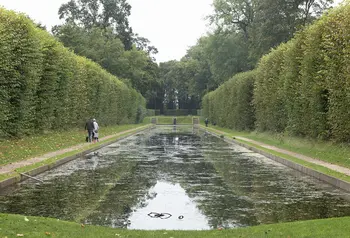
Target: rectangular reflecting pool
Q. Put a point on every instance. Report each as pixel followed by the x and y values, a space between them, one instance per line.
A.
pixel 176 178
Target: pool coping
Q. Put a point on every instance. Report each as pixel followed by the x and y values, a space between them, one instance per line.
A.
pixel 301 168
pixel 20 178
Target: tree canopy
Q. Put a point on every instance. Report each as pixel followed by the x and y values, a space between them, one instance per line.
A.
pixel 244 30
pixel 100 31
pixel 103 14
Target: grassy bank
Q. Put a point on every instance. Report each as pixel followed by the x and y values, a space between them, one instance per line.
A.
pixel 168 120
pixel 36 227
pixel 325 151
pixel 29 147
pixel 39 145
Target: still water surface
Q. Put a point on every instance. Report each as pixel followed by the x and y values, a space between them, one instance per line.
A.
pixel 182 172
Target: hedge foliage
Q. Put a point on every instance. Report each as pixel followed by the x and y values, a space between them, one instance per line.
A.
pixel 231 104
pixel 44 86
pixel 301 88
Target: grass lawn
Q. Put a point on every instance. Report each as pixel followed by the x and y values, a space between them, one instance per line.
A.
pixel 168 120
pixel 332 153
pixel 36 227
pixel 327 151
pixel 29 147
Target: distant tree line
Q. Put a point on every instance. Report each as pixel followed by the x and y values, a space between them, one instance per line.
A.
pixel 44 86
pixel 242 31
pixel 300 88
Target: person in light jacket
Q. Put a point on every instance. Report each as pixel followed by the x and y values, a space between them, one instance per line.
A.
pixel 95 131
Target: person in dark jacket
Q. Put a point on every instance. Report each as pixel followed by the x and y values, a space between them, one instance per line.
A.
pixel 89 126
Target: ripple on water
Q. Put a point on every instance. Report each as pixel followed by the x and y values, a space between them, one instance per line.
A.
pixel 209 182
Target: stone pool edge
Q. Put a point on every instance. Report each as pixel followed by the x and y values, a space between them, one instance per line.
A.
pixel 301 168
pixel 17 179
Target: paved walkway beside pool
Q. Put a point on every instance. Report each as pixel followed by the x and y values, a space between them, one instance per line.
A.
pixel 8 168
pixel 334 167
pixel 13 166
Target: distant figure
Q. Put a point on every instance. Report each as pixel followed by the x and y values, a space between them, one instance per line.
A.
pixel 206 122
pixel 95 131
pixel 89 126
pixel 174 121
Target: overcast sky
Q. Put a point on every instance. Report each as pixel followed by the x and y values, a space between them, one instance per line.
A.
pixel 171 25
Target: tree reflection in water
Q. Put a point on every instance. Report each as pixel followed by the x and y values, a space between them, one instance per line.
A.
pixel 212 184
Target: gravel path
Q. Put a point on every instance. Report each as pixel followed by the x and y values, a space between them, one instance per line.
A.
pixel 334 167
pixel 12 166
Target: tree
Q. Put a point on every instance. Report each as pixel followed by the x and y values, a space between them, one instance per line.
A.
pixel 265 23
pixel 103 14
pixel 227 54
pixel 143 43
pixel 136 66
pixel 183 82
pixel 310 9
pixel 96 44
pixel 165 69
pixel 203 82
pixel 100 31
pixel 236 14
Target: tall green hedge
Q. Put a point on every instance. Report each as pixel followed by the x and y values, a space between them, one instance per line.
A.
pixel 268 92
pixel 302 87
pixel 335 49
pixel 231 104
pixel 44 86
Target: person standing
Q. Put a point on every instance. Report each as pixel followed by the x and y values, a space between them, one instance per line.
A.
pixel 89 126
pixel 206 122
pixel 95 132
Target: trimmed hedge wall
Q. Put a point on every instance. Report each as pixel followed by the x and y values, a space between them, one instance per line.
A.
pixel 44 86
pixel 231 104
pixel 301 88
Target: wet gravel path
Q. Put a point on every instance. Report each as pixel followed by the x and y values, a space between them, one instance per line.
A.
pixel 334 167
pixel 13 166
